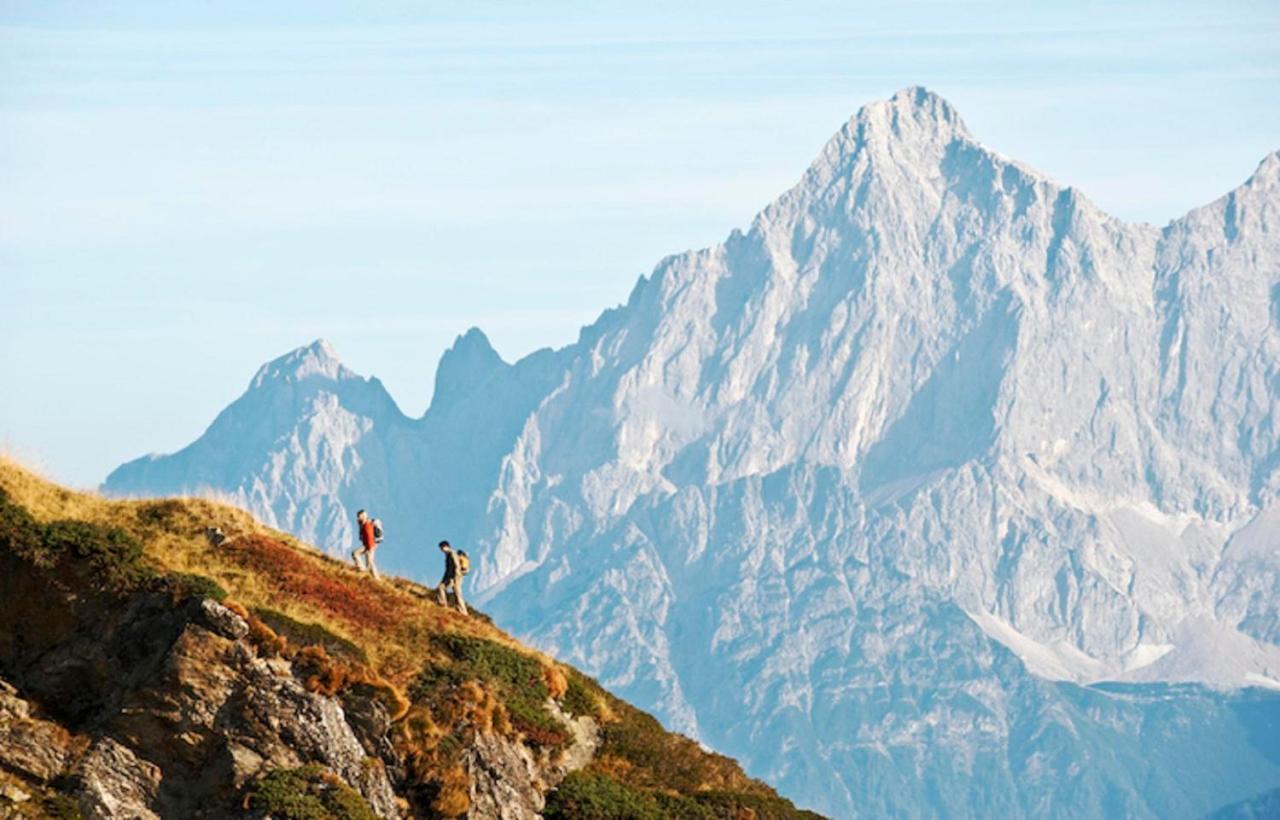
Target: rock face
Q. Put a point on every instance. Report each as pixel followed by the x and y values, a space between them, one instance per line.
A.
pixel 35 749
pixel 510 783
pixel 861 495
pixel 113 782
pixel 173 706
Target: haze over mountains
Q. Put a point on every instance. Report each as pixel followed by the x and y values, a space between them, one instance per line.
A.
pixel 862 495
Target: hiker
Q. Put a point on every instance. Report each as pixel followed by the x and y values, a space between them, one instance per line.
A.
pixel 456 565
pixel 368 529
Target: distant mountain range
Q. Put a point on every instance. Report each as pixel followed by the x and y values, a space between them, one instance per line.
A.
pixel 872 496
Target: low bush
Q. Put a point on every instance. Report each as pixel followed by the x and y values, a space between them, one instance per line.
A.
pixel 108 555
pixel 737 804
pixel 579 699
pixel 19 532
pixel 189 585
pixel 593 794
pixel 659 758
pixel 587 795
pixel 518 679
pixel 307 793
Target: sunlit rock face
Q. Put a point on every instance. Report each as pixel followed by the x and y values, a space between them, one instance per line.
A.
pixel 864 495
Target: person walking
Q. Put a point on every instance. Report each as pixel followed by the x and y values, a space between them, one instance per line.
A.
pixel 368 543
pixel 456 565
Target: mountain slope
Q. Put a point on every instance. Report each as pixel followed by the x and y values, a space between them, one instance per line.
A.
pixel 277 682
pixel 846 495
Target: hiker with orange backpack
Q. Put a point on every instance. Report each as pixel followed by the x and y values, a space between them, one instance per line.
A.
pixel 370 534
pixel 456 565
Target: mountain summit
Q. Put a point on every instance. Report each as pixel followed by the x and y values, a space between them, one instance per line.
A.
pixel 935 462
pixel 316 359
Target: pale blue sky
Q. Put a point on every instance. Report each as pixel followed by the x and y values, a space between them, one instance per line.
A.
pixel 190 189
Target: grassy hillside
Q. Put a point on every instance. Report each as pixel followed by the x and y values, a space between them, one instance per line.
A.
pixel 443 677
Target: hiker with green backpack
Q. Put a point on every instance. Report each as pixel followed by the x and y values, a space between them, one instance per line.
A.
pixel 456 565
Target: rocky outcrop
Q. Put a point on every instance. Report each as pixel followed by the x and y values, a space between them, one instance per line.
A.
pixel 505 779
pixel 157 708
pixel 31 748
pixel 112 781
pixel 151 707
pixel 273 722
pixel 509 783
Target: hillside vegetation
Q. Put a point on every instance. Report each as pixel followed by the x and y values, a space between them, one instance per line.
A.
pixel 446 684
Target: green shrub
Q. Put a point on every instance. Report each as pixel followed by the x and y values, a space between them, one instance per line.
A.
pixel 107 554
pixel 737 804
pixel 19 532
pixel 110 554
pixel 307 793
pixel 578 698
pixel 517 679
pixel 661 757
pixel 189 585
pixel 586 795
pixel 435 682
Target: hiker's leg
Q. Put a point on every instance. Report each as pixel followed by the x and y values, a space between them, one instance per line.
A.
pixel 373 568
pixel 440 594
pixel 457 591
pixel 355 556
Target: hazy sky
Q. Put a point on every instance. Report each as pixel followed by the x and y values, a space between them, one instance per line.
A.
pixel 190 189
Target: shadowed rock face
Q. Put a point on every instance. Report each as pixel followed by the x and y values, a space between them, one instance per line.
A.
pixel 172 705
pixel 930 404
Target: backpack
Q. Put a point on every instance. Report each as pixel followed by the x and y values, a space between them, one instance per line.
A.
pixel 377 531
pixel 464 563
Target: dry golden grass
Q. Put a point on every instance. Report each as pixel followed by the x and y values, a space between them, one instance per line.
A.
pixel 557 681
pixel 392 620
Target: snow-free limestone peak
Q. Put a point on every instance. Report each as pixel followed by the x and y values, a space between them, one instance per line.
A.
pixel 317 359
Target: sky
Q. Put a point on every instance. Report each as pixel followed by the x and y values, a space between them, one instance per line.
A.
pixel 188 190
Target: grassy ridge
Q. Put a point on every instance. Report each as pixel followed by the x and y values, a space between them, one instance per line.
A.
pixel 442 676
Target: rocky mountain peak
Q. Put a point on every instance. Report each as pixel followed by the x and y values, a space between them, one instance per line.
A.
pixel 471 361
pixel 317 359
pixel 912 113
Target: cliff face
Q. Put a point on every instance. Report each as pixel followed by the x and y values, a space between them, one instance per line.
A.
pixel 280 683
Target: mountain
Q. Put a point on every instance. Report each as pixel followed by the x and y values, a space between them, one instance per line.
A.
pixel 936 492
pixel 146 671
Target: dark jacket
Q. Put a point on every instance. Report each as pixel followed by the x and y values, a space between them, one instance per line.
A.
pixel 450 566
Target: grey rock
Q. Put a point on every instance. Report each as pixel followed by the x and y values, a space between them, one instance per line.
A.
pixel 286 726
pixel 505 780
pixel 112 782
pixel 30 747
pixel 222 620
